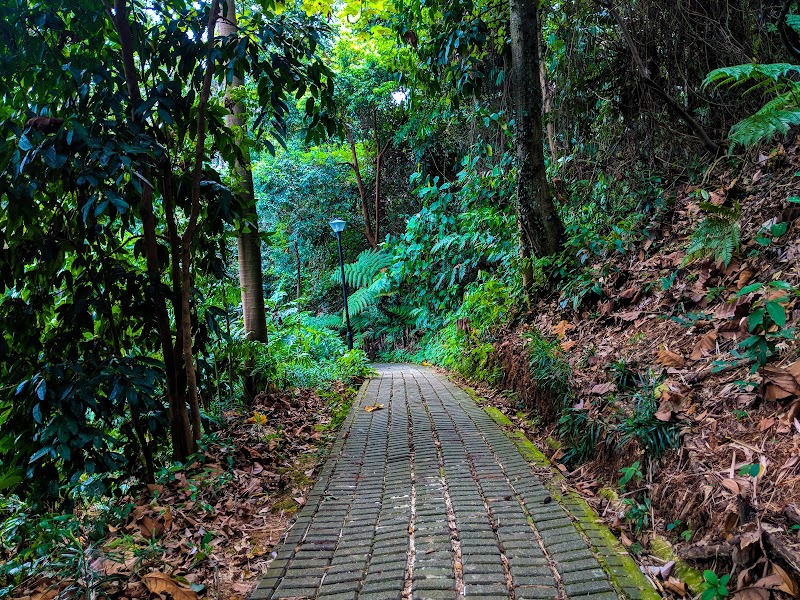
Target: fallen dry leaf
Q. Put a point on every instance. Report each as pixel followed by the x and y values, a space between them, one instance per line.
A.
pixel 603 388
pixel 373 407
pixel 752 593
pixel 676 586
pixel 731 486
pixel 705 345
pixel 562 328
pixel 779 383
pixel 668 358
pixel 160 583
pixel 631 315
pixel 788 584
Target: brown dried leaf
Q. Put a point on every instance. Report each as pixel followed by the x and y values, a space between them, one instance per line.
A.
pixel 603 388
pixel 373 407
pixel 664 411
pixel 780 383
pixel 705 345
pixel 676 586
pixel 788 584
pixel 751 594
pixel 744 276
pixel 160 583
pixel 731 521
pixel 668 358
pixel 729 309
pixel 562 328
pixel 568 345
pixel 731 486
pixel 631 315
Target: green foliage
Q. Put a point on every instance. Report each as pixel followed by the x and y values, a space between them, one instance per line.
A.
pixel 637 513
pixel 549 369
pixel 777 115
pixel 717 235
pixel 582 433
pixel 468 349
pixel 767 320
pixel 367 280
pixel 363 271
pixel 463 232
pixel 630 473
pixel 641 425
pixel 100 191
pixel 714 587
pixel 60 544
pixel 299 353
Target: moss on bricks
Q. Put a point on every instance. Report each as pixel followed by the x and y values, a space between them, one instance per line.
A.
pixel 616 562
pixel 689 575
pixel 498 417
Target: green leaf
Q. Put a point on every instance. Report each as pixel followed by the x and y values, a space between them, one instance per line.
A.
pixel 777 313
pixel 710 577
pixel 778 229
pixel 755 319
pixel 749 289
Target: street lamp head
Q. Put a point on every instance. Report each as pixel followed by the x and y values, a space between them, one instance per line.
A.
pixel 338 225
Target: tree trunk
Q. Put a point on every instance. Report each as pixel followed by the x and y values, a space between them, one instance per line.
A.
pixel 180 428
pixel 251 281
pixel 362 192
pixel 188 235
pixel 546 109
pixel 540 227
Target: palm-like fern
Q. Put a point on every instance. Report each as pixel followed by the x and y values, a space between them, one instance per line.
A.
pixel 777 115
pixel 362 272
pixel 368 280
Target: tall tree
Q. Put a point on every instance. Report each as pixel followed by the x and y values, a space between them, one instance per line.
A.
pixel 248 241
pixel 541 229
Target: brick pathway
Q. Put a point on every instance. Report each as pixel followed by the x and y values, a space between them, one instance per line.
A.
pixel 428 498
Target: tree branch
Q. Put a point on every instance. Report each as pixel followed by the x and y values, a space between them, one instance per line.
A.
pixel 646 76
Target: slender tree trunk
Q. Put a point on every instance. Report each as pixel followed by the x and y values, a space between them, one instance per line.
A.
pixel 378 161
pixel 180 429
pixel 251 279
pixel 546 108
pixel 188 234
pixel 540 227
pixel 362 192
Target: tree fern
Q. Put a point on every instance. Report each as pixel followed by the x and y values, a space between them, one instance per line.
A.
pixel 363 298
pixel 777 115
pixel 363 271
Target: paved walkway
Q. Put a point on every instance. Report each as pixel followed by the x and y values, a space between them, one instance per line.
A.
pixel 427 498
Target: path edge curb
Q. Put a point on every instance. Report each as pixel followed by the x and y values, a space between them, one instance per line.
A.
pixel 603 543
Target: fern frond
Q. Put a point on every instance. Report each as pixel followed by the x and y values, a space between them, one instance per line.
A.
pixel 717 235
pixel 324 321
pixel 363 271
pixel 763 125
pixel 364 297
pixel 750 72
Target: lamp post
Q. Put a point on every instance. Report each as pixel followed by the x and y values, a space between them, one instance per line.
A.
pixel 338 227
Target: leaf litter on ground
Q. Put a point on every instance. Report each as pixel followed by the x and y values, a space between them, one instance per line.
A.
pixel 207 529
